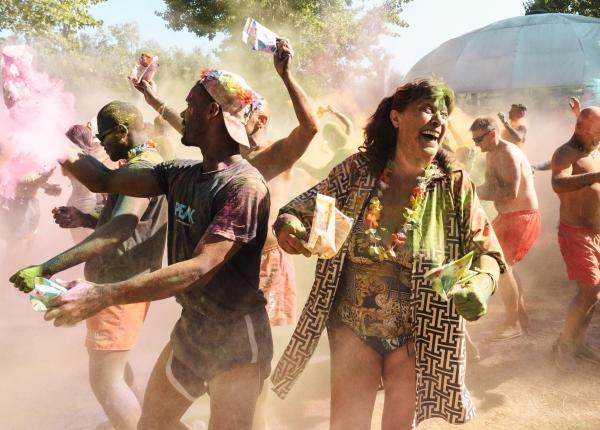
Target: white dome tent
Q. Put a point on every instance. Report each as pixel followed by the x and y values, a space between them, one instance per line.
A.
pixel 553 52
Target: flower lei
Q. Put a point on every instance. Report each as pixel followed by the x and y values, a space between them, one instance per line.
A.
pixel 137 150
pixel 377 235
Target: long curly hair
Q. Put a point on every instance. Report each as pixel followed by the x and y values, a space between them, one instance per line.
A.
pixel 380 135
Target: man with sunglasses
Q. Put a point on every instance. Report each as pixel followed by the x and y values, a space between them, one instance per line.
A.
pixel 128 240
pixel 509 184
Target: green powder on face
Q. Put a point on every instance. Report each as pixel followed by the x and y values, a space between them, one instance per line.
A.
pixel 443 96
pixel 118 112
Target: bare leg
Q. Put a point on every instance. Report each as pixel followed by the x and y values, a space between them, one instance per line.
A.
pixel 522 313
pixel 233 395
pixel 579 313
pixel 472 350
pixel 509 290
pixel 107 379
pixel 260 414
pixel 130 380
pixel 356 371
pixel 163 405
pixel 399 380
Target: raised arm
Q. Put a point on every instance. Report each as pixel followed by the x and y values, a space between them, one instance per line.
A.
pixel 125 217
pixel 519 136
pixel 563 179
pixel 348 128
pixel 168 113
pixel 100 179
pixel 284 153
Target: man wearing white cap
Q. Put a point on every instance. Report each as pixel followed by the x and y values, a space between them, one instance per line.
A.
pixel 218 221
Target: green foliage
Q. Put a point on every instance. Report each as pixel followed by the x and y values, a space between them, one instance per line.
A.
pixel 335 40
pixel 94 65
pixel 578 7
pixel 34 18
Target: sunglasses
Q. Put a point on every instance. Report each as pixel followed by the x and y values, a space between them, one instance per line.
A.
pixel 101 136
pixel 479 139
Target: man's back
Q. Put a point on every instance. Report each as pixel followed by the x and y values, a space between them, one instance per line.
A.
pixel 143 251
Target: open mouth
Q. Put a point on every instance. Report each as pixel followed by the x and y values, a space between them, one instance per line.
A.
pixel 430 136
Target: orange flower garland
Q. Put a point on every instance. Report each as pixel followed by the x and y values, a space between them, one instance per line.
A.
pixel 377 234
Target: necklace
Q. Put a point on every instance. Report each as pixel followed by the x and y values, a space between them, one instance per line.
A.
pixel 137 150
pixel 382 245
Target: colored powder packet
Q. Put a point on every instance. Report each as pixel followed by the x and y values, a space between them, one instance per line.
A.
pixel 259 37
pixel 144 69
pixel 329 230
pixel 448 278
pixel 43 293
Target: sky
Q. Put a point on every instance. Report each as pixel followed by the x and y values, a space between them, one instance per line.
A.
pixel 432 22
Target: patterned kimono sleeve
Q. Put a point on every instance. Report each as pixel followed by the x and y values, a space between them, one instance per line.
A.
pixel 303 206
pixel 476 230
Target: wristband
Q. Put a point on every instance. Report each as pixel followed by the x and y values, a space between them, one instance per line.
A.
pixel 494 281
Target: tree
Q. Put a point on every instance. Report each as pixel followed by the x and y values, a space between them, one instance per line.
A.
pixel 335 40
pixel 34 18
pixel 577 7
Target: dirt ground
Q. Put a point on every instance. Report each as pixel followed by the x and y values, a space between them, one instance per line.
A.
pixel 515 385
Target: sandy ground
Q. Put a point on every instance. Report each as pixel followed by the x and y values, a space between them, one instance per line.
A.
pixel 515 385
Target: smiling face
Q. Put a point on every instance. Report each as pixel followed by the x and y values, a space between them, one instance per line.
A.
pixel 421 129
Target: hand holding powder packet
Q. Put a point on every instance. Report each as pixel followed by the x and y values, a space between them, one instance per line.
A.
pixel 329 230
pixel 446 279
pixel 259 37
pixel 144 69
pixel 43 293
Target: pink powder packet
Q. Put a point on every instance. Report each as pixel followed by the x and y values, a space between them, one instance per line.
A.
pixel 259 37
pixel 144 69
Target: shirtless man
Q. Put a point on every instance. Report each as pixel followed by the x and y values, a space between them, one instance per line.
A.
pixel 514 130
pixel 576 180
pixel 274 161
pixel 509 184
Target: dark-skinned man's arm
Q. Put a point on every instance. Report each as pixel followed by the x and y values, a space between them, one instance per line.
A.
pixel 286 152
pixel 98 178
pixel 106 238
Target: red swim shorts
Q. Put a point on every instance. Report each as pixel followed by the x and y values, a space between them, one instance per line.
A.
pixel 517 232
pixel 116 328
pixel 278 284
pixel 580 248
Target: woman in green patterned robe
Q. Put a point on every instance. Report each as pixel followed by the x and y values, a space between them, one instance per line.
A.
pixel 413 210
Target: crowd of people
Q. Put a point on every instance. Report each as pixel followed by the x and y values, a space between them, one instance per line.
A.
pixel 230 230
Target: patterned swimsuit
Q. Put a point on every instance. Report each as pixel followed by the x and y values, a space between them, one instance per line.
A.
pixel 373 297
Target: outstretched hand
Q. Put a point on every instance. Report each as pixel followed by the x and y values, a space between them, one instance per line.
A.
pixel 471 301
pixel 83 300
pixel 24 278
pixel 52 189
pixel 283 57
pixel 68 217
